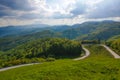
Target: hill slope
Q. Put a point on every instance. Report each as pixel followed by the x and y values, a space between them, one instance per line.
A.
pixel 42 48
pixel 114 43
pixel 97 67
pixel 98 30
pixel 85 31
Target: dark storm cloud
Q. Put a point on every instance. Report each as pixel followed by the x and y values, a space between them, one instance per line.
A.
pixel 17 4
pixel 12 7
pixel 7 13
pixel 2 7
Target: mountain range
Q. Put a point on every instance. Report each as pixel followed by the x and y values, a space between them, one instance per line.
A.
pixel 11 36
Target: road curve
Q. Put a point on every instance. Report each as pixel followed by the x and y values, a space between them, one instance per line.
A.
pixel 4 69
pixel 87 53
pixel 116 56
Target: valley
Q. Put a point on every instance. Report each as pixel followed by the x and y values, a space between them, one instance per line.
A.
pixel 59 39
pixel 71 52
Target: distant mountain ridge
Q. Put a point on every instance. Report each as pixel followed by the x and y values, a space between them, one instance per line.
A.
pixel 20 30
pixel 11 37
pixel 87 30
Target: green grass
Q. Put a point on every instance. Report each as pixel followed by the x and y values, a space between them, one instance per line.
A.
pixel 98 52
pixel 100 65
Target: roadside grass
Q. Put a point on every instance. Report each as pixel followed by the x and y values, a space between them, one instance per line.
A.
pixel 98 52
pixel 100 65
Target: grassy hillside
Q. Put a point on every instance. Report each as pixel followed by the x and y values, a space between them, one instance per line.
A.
pixel 98 52
pixel 99 66
pixel 114 43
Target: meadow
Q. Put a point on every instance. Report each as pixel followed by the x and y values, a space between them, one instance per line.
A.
pixel 100 65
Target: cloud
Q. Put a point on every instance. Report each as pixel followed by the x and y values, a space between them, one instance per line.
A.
pixel 107 8
pixel 17 4
pixel 9 13
pixel 10 8
pixel 57 11
pixel 30 16
pixel 61 8
pixel 80 8
pixel 2 7
pixel 51 9
pixel 15 22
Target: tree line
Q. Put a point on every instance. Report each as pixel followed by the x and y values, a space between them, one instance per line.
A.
pixel 41 50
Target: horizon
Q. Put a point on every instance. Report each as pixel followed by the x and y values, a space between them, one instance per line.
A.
pixel 57 12
pixel 46 25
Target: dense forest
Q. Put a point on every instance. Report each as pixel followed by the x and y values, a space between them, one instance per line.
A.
pixel 39 50
pixel 10 42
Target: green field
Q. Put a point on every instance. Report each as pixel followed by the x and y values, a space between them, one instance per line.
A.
pixel 100 65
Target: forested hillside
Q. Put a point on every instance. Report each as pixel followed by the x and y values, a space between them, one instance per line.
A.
pixel 86 31
pixel 42 48
pixel 21 30
pixel 8 43
pixel 25 48
pixel 98 30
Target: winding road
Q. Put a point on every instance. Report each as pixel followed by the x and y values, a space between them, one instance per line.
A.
pixel 87 53
pixel 7 68
pixel 116 56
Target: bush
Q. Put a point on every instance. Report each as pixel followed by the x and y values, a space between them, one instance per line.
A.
pixel 50 59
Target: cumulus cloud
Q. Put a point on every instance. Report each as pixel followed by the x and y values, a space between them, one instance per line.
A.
pixel 59 8
pixel 57 11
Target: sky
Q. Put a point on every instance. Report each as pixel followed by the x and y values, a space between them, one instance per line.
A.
pixel 57 12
